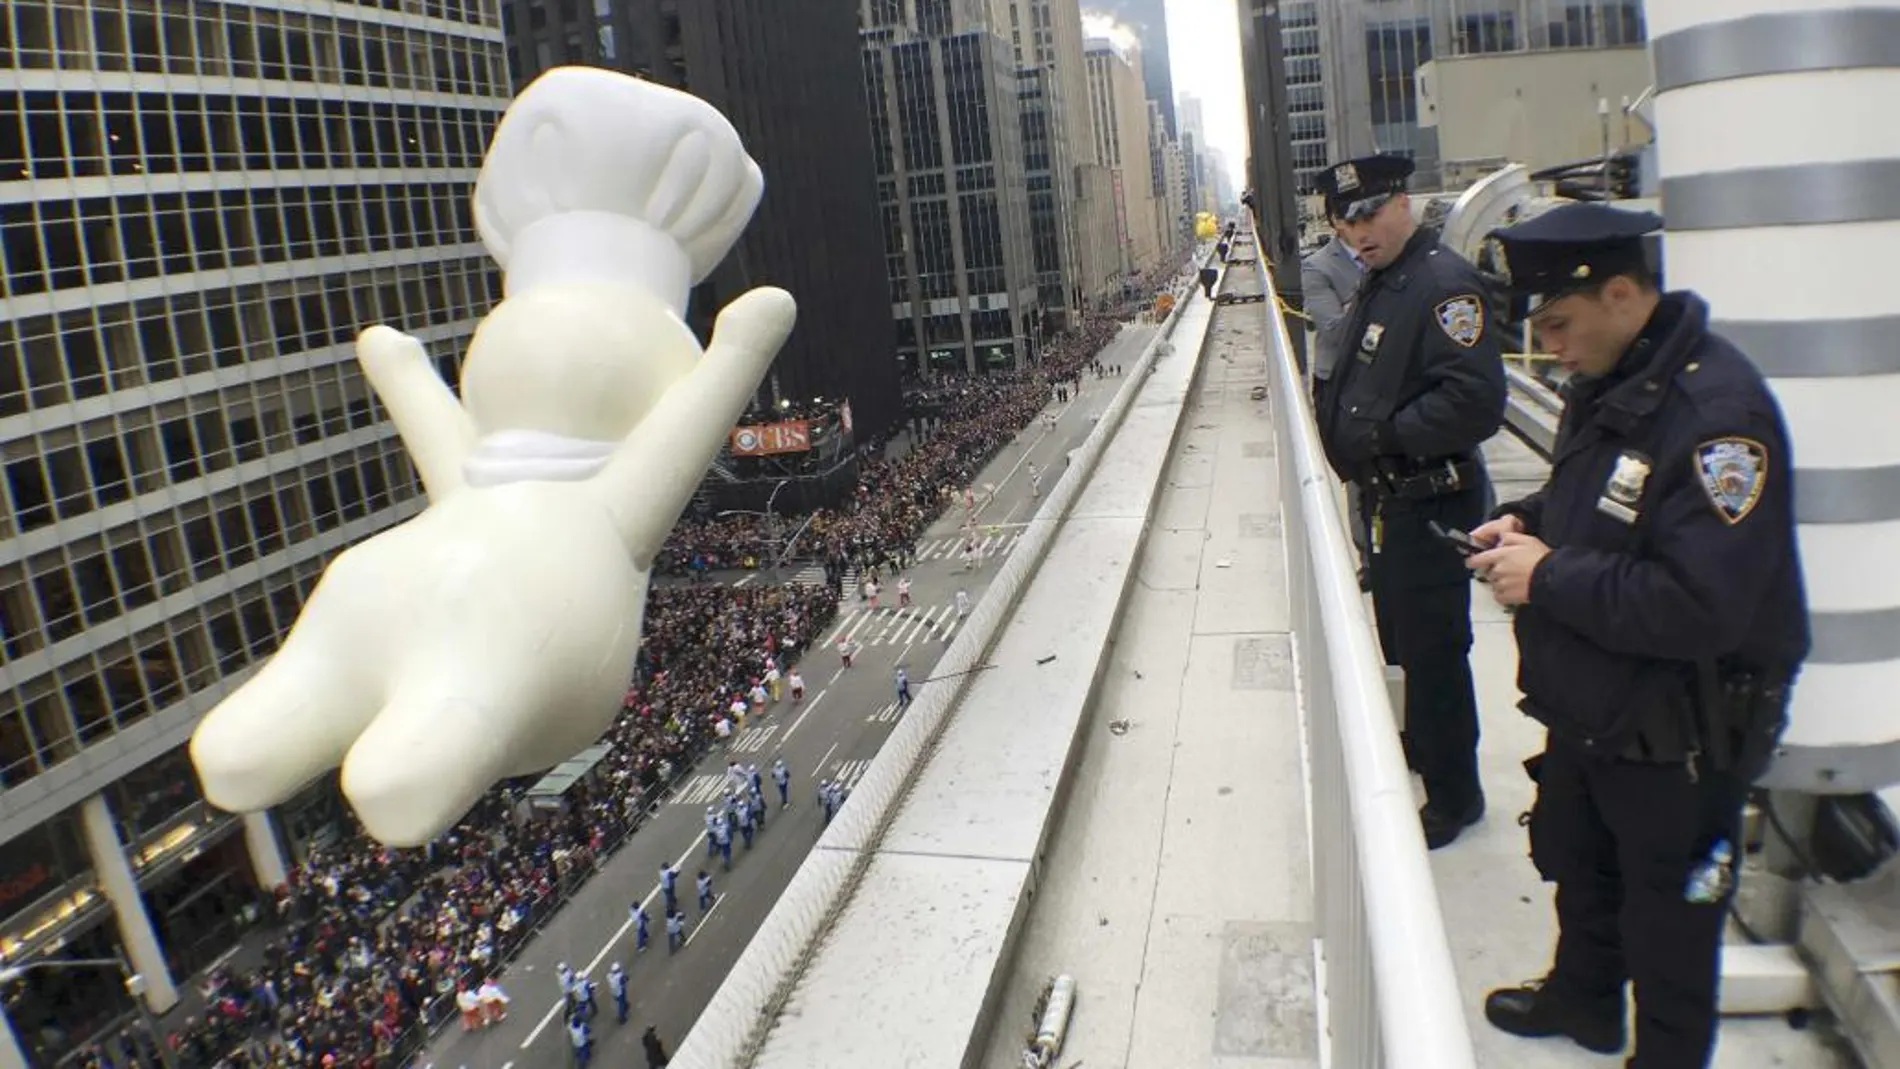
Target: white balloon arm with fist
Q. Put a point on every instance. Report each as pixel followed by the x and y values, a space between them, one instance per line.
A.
pixel 494 634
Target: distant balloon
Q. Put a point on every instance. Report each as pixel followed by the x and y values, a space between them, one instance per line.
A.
pixel 1206 227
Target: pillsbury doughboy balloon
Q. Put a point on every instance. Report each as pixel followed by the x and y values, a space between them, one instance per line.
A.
pixel 493 635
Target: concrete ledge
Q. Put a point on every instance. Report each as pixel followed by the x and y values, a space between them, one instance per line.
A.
pixel 911 971
pixel 820 907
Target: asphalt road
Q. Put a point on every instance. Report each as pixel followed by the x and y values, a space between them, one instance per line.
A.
pixel 833 734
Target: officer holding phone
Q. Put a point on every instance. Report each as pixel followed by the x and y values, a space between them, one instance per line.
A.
pixel 1660 621
pixel 1418 387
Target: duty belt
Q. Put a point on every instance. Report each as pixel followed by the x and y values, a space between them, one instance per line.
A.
pixel 1443 477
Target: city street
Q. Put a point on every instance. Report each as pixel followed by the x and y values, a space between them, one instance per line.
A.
pixel 833 734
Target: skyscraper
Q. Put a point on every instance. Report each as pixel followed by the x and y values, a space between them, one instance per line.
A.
pixel 1123 145
pixel 947 135
pixel 201 205
pixel 786 73
pixel 1149 20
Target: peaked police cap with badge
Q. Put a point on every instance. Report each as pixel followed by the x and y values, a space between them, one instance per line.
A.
pixel 1570 248
pixel 1356 188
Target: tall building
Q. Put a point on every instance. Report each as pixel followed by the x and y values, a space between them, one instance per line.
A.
pixel 1352 65
pixel 1197 185
pixel 1049 34
pixel 1149 20
pixel 1048 49
pixel 201 205
pixel 947 137
pixel 785 72
pixel 1120 114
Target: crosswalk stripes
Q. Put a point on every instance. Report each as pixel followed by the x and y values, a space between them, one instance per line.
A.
pixel 890 626
pixel 989 545
pixel 888 714
pixel 848 773
pixel 810 575
pixel 701 789
pixel 753 739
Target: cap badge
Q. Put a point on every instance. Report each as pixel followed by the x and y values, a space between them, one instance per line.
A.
pixel 1346 177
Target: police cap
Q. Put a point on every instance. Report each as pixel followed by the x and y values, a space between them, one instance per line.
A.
pixel 1354 189
pixel 1570 248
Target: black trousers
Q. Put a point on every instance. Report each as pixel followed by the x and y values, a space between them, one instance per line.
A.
pixel 1620 839
pixel 1421 594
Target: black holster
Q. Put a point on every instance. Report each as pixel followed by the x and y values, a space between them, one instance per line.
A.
pixel 1740 719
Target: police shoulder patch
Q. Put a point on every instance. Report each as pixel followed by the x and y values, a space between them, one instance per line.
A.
pixel 1462 319
pixel 1734 472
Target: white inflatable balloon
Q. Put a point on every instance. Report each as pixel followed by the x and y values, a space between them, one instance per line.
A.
pixel 494 634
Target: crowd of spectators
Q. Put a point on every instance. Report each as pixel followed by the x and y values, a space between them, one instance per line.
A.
pixel 901 490
pixel 373 942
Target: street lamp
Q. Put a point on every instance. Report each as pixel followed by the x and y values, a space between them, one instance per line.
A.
pixel 134 986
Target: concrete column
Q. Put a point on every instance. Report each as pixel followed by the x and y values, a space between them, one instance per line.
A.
pixel 128 906
pixel 267 852
pixel 1781 191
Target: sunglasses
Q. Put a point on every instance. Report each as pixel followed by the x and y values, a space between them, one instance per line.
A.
pixel 1361 210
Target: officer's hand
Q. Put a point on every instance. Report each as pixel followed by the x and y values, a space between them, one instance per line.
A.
pixel 1488 534
pixel 1509 567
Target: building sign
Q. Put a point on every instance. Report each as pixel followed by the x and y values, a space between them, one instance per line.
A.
pixel 767 439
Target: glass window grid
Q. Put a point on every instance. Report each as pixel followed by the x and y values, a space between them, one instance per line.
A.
pixel 82 132
pixel 196 232
pixel 212 39
pixel 47 362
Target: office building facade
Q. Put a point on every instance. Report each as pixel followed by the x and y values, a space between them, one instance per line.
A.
pixel 947 137
pixel 1123 144
pixel 201 205
pixel 1149 20
pixel 786 73
pixel 1352 65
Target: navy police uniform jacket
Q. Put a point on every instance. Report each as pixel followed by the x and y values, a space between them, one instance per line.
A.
pixel 1670 514
pixel 1419 379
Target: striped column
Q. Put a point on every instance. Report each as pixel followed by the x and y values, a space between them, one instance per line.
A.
pixel 1779 152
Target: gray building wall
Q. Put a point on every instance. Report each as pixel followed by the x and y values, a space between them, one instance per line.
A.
pixel 952 185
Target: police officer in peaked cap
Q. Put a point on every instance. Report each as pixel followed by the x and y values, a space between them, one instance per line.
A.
pixel 1418 387
pixel 1660 621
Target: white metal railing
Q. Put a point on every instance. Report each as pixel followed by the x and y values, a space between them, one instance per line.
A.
pixel 1388 988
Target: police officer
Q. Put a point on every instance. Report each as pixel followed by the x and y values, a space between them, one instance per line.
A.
pixel 1660 618
pixel 1418 388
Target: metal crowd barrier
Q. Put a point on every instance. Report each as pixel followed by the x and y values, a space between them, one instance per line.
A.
pixel 1388 991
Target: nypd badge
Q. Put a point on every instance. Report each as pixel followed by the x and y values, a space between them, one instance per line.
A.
pixel 1345 178
pixel 1462 319
pixel 1734 472
pixel 1625 487
pixel 1369 343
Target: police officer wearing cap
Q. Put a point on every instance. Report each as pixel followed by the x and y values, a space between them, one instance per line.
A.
pixel 1418 387
pixel 1660 619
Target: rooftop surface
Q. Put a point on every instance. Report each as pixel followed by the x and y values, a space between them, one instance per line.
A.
pixel 1177 889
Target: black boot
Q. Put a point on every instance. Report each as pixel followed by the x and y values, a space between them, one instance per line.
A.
pixel 1443 827
pixel 1537 1011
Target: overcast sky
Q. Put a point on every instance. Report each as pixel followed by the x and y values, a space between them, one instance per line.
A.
pixel 1204 52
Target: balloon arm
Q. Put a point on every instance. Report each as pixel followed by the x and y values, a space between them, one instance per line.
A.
pixel 658 465
pixel 435 429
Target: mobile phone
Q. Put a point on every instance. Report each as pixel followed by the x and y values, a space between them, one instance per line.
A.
pixel 1462 542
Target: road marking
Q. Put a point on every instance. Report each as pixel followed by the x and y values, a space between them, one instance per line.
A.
pixel 701 926
pixel 816 698
pixel 819 768
pixel 625 926
pixel 749 577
